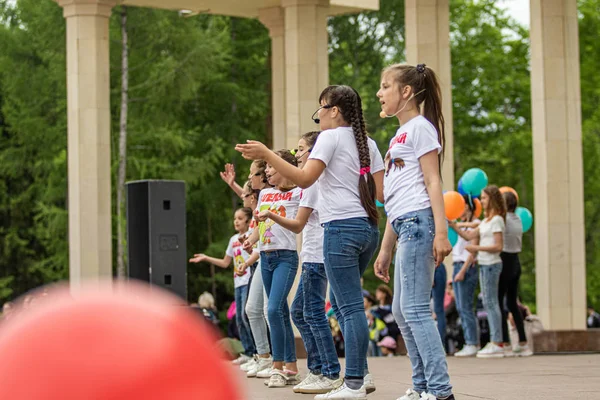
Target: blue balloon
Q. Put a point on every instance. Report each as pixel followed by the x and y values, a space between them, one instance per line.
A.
pixel 474 181
pixel 378 204
pixel 452 236
pixel 459 187
pixel 526 218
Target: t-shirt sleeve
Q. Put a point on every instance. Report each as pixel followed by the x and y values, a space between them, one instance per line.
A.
pixel 376 160
pixel 497 224
pixel 310 197
pixel 229 250
pixel 324 148
pixel 426 140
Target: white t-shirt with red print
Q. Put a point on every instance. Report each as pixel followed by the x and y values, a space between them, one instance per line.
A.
pixel 339 197
pixel 312 235
pixel 271 235
pixel 235 250
pixel 404 187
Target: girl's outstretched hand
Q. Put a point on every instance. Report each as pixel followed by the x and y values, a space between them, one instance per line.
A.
pixel 253 150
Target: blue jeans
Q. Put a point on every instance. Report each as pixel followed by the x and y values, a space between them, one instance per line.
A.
pixel 489 279
pixel 464 292
pixel 241 296
pixel 413 279
pixel 348 246
pixel 308 314
pixel 279 269
pixel 438 292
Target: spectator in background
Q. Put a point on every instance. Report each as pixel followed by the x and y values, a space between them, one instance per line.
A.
pixel 383 311
pixel 206 302
pixel 593 320
pixel 388 346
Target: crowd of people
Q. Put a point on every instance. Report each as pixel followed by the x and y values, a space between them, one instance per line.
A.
pixel 327 189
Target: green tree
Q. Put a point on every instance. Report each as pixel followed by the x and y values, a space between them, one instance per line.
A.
pixel 589 30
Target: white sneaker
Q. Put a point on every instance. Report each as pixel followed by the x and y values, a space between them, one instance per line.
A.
pixel 508 352
pixel 309 379
pixel 260 365
pixel 410 395
pixel 344 393
pixel 428 396
pixel 491 351
pixel 265 373
pixel 522 351
pixel 369 384
pixel 321 385
pixel 282 378
pixel 469 350
pixel 277 379
pixel 249 365
pixel 242 359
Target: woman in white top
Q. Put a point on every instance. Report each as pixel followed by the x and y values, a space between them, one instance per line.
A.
pixel 491 241
pixel 509 279
pixel 465 282
pixel 350 172
pixel 416 219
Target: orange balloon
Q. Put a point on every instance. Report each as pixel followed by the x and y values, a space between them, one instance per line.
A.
pixel 454 204
pixel 505 189
pixel 478 208
pixel 111 344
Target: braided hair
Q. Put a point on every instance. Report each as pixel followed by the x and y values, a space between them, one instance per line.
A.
pixel 349 103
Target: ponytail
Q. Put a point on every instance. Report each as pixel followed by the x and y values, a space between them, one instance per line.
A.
pixel 427 94
pixel 349 103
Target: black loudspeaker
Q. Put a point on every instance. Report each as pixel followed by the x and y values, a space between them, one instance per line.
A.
pixel 156 234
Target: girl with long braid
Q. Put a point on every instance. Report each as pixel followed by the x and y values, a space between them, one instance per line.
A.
pixel 349 168
pixel 416 219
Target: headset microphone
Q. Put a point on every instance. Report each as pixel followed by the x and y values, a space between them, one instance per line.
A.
pixel 382 114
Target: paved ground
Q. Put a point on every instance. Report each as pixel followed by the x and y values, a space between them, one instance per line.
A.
pixel 537 377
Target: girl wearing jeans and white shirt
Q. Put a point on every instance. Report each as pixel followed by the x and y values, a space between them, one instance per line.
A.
pixel 416 218
pixel 279 264
pixel 490 233
pixel 350 172
pixel 465 283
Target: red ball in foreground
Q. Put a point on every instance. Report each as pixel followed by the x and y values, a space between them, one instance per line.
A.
pixel 111 344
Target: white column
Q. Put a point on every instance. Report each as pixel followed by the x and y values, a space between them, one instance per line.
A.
pixel 273 19
pixel 306 63
pixel 88 97
pixel 558 170
pixel 428 42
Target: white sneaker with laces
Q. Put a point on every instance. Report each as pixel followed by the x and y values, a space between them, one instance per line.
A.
pixel 491 351
pixel 321 385
pixel 242 359
pixel 344 393
pixel 260 365
pixel 310 378
pixel 410 395
pixel 469 350
pixel 265 373
pixel 369 384
pixel 249 365
pixel 522 351
pixel 277 379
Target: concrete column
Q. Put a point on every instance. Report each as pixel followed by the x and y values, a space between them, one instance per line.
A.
pixel 88 94
pixel 306 64
pixel 273 19
pixel 428 41
pixel 558 170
